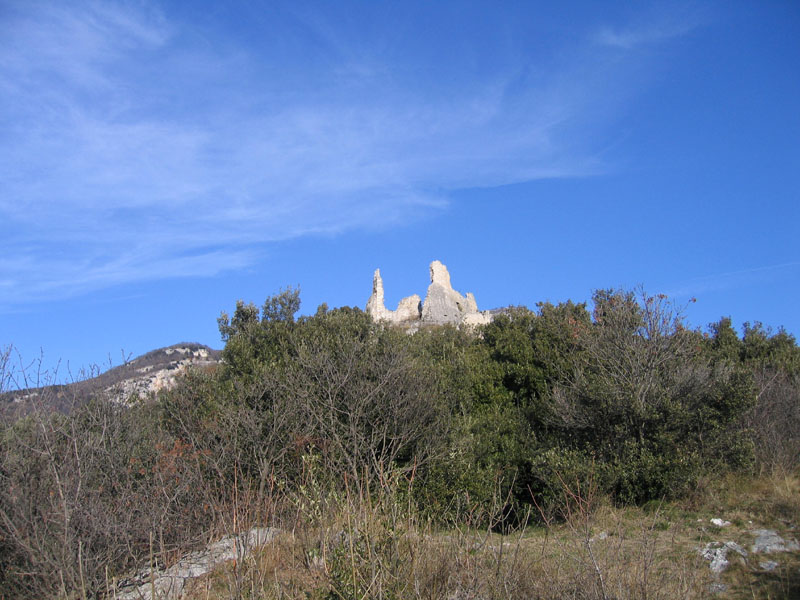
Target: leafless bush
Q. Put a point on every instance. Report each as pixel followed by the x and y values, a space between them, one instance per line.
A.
pixel 242 429
pixel 775 420
pixel 6 372
pixel 89 495
pixel 368 405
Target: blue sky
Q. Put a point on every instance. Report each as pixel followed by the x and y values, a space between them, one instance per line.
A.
pixel 160 160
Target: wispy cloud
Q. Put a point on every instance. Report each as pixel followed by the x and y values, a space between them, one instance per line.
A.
pixel 632 38
pixel 132 148
pixel 718 282
pixel 659 26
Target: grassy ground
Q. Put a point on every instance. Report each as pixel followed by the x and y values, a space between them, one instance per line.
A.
pixel 363 548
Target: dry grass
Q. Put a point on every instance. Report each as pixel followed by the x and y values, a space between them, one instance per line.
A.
pixel 536 564
pixel 774 499
pixel 357 546
pixel 770 501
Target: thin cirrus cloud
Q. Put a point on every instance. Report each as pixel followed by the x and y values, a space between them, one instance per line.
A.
pixel 663 24
pixel 130 150
pixel 718 282
pixel 632 38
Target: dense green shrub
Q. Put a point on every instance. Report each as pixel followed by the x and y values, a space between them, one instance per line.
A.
pixel 772 361
pixel 626 393
pixel 480 426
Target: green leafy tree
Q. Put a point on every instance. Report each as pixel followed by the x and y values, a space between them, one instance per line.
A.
pixel 761 347
pixel 721 341
pixel 255 339
pixel 647 403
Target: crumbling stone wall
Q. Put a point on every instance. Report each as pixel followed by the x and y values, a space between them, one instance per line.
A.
pixel 442 303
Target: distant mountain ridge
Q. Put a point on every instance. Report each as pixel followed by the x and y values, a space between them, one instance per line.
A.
pixel 144 375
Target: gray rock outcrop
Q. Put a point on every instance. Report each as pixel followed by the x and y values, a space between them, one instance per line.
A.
pixel 169 584
pixel 768 541
pixel 442 304
pixel 142 377
pixel 716 554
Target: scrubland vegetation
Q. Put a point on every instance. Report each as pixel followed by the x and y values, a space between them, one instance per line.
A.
pixel 555 453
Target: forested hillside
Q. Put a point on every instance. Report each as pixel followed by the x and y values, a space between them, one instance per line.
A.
pixel 510 425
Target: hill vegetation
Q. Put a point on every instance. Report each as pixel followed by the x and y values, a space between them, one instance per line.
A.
pixel 386 454
pixel 26 387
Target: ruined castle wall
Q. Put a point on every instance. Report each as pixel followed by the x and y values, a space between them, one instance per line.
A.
pixel 442 303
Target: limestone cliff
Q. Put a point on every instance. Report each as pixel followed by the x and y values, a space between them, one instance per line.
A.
pixel 442 304
pixel 409 309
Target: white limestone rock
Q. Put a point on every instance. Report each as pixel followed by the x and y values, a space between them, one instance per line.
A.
pixel 442 304
pixel 471 304
pixel 477 318
pixel 717 554
pixel 720 522
pixel 408 310
pixel 170 583
pixel 375 305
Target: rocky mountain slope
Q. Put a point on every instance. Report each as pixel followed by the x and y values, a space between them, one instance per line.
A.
pixel 147 374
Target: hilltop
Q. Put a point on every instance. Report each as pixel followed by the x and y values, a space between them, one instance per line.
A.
pixel 550 453
pixel 147 374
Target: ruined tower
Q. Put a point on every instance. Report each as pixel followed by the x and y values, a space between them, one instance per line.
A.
pixel 442 303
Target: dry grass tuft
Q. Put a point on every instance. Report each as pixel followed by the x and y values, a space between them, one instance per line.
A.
pixel 358 545
pixel 375 547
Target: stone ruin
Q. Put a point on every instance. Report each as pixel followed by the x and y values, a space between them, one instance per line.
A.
pixel 442 304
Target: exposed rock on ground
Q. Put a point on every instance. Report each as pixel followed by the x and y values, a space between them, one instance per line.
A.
pixel 768 565
pixel 766 541
pixel 717 554
pixel 169 584
pixel 442 304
